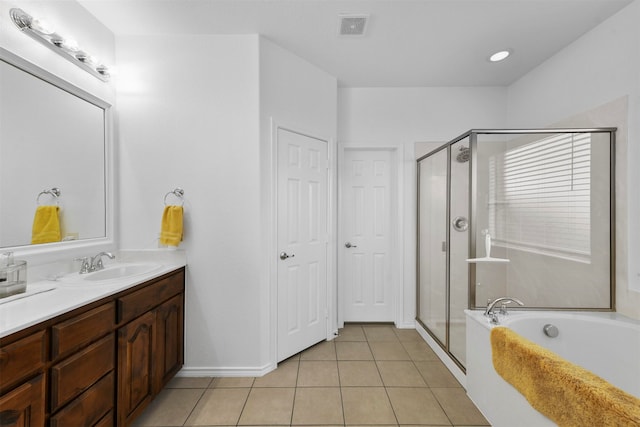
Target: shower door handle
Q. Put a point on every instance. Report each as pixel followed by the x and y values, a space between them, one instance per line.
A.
pixel 348 245
pixel 460 223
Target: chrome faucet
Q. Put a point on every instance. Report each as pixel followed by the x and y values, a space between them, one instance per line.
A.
pixel 489 312
pixel 96 261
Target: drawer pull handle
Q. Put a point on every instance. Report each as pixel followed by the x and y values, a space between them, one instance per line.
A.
pixel 9 417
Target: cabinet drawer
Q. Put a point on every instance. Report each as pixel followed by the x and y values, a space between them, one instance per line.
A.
pixel 78 331
pixel 78 372
pixel 89 408
pixel 136 303
pixel 22 358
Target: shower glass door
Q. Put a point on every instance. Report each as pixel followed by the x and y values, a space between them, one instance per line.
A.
pixel 432 248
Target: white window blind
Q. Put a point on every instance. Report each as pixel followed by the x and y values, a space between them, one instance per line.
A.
pixel 540 196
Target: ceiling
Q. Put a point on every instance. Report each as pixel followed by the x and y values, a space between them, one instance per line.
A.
pixel 408 43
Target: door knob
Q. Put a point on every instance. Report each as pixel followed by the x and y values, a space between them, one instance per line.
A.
pixel 349 245
pixel 284 255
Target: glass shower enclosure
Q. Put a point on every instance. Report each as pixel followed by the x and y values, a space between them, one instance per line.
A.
pixel 521 213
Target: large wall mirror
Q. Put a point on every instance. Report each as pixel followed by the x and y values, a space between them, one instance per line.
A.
pixel 53 135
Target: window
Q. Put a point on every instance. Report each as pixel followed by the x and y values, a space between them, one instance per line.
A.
pixel 540 196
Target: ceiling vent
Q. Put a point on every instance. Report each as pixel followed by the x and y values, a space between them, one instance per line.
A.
pixel 353 24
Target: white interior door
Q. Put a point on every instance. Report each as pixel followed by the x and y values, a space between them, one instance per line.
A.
pixel 302 242
pixel 366 277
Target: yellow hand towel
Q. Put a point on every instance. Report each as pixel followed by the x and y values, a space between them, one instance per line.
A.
pixel 46 225
pixel 171 228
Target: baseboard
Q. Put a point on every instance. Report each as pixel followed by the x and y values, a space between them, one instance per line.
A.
pixel 406 325
pixel 202 371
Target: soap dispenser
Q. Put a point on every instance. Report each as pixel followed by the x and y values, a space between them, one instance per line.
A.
pixel 13 275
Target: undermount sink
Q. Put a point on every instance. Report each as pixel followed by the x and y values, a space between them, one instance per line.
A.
pixel 111 273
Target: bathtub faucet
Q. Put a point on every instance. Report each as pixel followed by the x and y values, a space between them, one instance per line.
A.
pixel 489 312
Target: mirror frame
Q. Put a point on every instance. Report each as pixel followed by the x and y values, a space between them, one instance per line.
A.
pixel 42 252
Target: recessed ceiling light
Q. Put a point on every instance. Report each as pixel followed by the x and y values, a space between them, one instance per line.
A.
pixel 499 56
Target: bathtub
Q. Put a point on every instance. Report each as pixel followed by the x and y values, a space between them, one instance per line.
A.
pixel 608 344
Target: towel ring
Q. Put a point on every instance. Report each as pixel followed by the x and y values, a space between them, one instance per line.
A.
pixel 178 192
pixel 54 192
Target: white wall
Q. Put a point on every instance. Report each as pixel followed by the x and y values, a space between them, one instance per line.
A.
pixel 188 117
pixel 599 68
pixel 392 116
pixel 297 95
pixel 195 112
pixel 401 118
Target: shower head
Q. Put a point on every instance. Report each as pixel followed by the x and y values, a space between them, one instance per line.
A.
pixel 463 155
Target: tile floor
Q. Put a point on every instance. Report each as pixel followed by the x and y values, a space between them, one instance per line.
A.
pixel 369 375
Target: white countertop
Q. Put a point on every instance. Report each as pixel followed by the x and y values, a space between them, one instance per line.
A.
pixel 22 313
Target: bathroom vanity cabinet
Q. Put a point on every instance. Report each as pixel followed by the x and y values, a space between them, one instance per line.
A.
pixel 98 365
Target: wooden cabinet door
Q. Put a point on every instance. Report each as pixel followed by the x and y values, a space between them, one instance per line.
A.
pixel 170 345
pixel 136 344
pixel 24 406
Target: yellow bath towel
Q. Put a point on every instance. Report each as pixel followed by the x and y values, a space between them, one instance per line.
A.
pixel 171 227
pixel 568 394
pixel 46 225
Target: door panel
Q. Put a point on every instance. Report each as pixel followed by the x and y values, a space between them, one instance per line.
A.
pixel 136 343
pixel 366 277
pixel 302 242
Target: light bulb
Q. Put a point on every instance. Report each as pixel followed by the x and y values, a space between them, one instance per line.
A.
pixel 70 45
pixel 41 26
pixel 87 59
pixel 102 69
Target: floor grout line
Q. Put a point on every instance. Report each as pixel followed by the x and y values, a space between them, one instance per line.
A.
pixel 244 404
pixel 340 385
pixel 196 405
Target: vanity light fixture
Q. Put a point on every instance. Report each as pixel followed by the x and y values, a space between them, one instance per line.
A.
pixel 500 56
pixel 65 47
